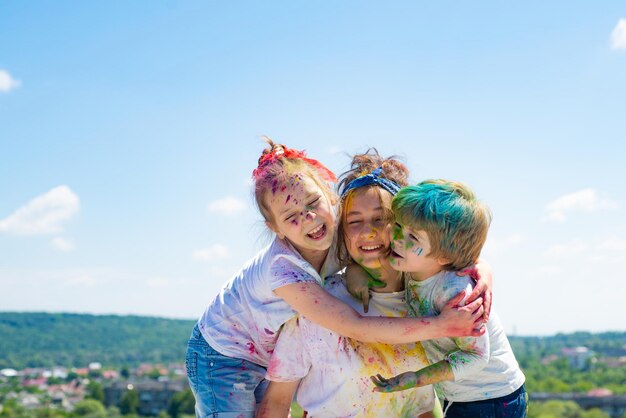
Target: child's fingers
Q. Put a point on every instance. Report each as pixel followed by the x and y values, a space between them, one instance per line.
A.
pixel 487 306
pixel 477 332
pixel 455 300
pixel 475 306
pixel 365 297
pixel 379 380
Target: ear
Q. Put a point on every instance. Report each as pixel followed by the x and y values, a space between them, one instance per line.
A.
pixel 275 230
pixel 443 261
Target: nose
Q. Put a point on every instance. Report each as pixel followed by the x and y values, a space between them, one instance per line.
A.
pixel 309 215
pixel 368 230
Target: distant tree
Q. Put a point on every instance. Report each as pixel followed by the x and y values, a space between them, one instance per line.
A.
pixel 561 409
pixel 163 414
pixel 50 413
pixel 129 404
pixel 89 408
pixel 182 403
pixel 94 374
pixel 595 413
pixel 154 373
pixel 113 412
pixel 95 391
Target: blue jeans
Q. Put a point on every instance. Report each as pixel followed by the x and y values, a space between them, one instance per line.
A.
pixel 514 405
pixel 223 386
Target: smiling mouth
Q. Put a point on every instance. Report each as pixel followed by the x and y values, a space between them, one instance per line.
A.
pixel 318 232
pixel 395 255
pixel 370 248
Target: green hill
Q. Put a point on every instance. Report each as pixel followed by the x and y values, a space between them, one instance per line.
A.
pixel 44 339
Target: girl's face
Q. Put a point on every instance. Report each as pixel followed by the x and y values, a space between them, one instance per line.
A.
pixel 366 228
pixel 302 213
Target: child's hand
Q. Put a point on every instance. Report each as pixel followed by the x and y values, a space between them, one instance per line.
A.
pixel 462 321
pixel 483 276
pixel 402 381
pixel 359 282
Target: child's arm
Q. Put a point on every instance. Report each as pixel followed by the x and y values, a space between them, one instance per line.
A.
pixel 429 375
pixel 472 355
pixel 277 400
pixel 319 306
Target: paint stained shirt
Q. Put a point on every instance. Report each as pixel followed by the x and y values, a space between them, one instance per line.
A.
pixel 244 319
pixel 335 370
pixel 484 367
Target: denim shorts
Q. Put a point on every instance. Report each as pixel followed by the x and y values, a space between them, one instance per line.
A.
pixel 223 386
pixel 514 405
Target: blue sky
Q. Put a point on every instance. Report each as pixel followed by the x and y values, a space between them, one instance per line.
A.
pixel 128 132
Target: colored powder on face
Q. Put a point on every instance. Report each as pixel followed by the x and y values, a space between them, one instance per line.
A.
pixel 288 197
pixel 397 233
pixel 267 331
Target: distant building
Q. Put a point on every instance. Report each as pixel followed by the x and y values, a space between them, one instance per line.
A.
pixel 154 396
pixel 578 357
pixel 8 372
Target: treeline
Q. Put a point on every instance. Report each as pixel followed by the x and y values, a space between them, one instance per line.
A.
pixel 74 340
pixel 547 370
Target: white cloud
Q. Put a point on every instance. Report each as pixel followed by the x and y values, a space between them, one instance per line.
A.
pixel 586 200
pixel 214 252
pixel 62 244
pixel 228 205
pixel 7 83
pixel 618 36
pixel 567 249
pixel 43 214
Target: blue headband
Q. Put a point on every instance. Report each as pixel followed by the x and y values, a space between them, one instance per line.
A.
pixel 369 179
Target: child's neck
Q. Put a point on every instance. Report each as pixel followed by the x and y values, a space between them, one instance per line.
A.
pixel 315 258
pixel 388 275
pixel 420 276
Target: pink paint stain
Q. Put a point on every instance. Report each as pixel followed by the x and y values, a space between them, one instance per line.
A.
pixel 251 348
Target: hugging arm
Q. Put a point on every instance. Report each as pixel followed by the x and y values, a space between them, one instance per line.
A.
pixel 319 306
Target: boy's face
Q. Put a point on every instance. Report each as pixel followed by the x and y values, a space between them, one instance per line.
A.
pixel 409 252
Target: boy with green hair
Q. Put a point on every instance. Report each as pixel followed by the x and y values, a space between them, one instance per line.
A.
pixel 441 228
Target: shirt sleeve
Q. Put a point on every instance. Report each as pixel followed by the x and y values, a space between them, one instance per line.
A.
pixel 289 361
pixel 288 269
pixel 472 353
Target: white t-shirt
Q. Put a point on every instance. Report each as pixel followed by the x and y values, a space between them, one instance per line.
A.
pixel 244 319
pixel 335 370
pixel 484 367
